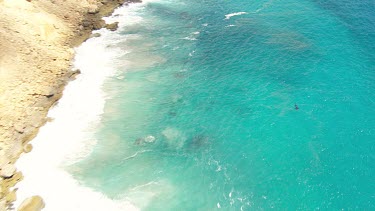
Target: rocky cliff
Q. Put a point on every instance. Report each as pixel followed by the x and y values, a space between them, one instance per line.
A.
pixel 36 41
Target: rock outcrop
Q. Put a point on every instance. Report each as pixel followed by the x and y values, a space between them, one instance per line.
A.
pixel 34 203
pixel 112 26
pixel 36 43
pixel 7 171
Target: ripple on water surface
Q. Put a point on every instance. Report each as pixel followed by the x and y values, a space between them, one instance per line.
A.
pixel 201 113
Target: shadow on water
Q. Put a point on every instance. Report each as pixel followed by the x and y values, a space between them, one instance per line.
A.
pixel 255 49
pixel 359 18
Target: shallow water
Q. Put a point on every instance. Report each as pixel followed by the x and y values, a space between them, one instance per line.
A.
pixel 201 114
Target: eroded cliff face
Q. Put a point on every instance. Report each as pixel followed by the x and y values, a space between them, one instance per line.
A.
pixel 33 58
pixel 36 40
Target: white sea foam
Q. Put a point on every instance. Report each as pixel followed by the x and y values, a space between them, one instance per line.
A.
pixel 193 36
pixel 189 38
pixel 69 137
pixel 136 154
pixel 228 16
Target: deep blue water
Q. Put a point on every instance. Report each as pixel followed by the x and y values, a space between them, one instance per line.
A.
pixel 204 118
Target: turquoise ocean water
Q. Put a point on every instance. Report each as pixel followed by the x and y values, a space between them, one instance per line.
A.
pixel 201 113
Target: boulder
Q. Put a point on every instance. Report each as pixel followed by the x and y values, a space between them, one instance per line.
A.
pixel 112 26
pixel 86 23
pixel 7 170
pixel 98 24
pixel 74 73
pixel 34 203
pixel 93 9
pixel 27 148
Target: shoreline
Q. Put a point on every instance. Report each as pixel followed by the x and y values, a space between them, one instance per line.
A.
pixel 70 137
pixel 36 83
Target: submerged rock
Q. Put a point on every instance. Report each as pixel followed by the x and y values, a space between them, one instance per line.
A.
pixel 199 141
pixel 179 75
pixel 138 141
pixel 172 113
pixel 147 139
pixel 174 137
pixel 34 203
